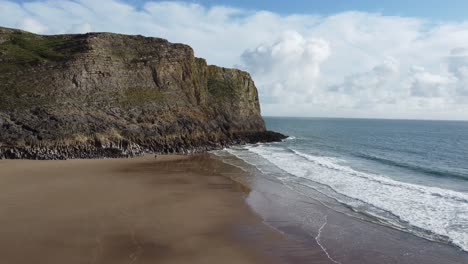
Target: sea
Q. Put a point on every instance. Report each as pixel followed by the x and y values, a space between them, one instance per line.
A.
pixel 408 175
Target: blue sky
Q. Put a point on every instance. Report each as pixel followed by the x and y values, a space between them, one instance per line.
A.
pixel 434 9
pixel 438 9
pixel 332 58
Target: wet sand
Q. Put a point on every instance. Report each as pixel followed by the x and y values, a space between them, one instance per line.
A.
pixel 171 209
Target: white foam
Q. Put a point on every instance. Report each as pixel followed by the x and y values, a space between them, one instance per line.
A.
pixel 439 211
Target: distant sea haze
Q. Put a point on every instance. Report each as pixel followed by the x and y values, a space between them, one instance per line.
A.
pixel 411 175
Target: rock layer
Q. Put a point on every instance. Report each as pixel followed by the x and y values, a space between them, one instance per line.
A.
pixel 109 95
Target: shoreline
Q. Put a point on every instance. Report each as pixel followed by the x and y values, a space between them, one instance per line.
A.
pixel 347 236
pixel 179 209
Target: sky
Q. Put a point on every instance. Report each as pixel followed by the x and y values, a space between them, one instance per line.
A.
pixel 434 9
pixel 348 58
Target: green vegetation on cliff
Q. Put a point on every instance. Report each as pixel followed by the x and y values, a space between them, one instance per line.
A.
pixel 22 49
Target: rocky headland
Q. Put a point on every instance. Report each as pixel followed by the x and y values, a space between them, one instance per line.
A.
pixel 109 95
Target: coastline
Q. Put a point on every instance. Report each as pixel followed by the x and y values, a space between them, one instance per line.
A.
pixel 342 234
pixel 180 209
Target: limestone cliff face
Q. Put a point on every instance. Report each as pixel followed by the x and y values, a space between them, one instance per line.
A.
pixel 110 95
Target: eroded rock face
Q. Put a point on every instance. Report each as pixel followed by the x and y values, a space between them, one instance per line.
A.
pixel 109 95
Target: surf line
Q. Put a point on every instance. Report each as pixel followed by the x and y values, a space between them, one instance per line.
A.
pixel 317 239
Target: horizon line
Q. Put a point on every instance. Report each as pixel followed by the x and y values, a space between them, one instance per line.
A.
pixel 367 118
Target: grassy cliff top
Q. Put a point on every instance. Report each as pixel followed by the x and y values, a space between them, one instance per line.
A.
pixel 19 49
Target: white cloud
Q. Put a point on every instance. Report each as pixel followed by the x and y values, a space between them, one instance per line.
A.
pixel 291 66
pixel 30 24
pixel 347 64
pixel 81 28
pixel 458 67
pixel 373 86
pixel 426 84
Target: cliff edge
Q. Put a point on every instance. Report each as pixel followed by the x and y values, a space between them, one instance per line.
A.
pixel 110 95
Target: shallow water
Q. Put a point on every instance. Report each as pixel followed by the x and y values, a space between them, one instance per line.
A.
pixel 408 175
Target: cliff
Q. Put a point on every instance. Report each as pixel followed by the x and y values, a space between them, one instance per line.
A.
pixel 110 95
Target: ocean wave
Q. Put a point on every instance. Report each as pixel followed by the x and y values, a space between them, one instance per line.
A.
pixel 441 212
pixel 412 167
pixel 331 163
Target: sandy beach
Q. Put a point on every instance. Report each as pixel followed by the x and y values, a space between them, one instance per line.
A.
pixel 181 209
pixel 170 209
